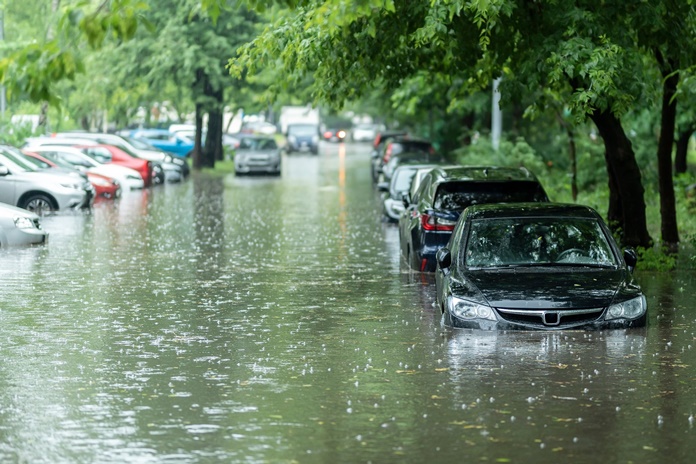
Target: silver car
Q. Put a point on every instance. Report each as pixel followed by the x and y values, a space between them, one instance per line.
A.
pixel 20 227
pixel 39 191
pixel 257 154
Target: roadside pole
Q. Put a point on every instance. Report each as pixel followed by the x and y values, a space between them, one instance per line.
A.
pixel 496 116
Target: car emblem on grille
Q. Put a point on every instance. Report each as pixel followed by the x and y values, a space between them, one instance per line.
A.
pixel 551 318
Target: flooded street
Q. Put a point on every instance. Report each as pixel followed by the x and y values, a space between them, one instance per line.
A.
pixel 269 320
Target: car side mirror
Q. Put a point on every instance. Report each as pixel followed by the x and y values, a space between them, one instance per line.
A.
pixel 4 171
pixel 406 200
pixel 383 187
pixel 444 258
pixel 631 258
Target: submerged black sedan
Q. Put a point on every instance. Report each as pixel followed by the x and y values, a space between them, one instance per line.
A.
pixel 536 266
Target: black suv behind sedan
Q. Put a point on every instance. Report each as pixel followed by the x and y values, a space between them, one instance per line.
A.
pixel 444 192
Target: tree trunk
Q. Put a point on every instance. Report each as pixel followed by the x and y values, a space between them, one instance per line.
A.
pixel 682 150
pixel 213 142
pixel 572 151
pixel 668 210
pixel 628 209
pixel 197 144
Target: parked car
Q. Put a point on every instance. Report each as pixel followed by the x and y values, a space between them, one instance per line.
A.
pixel 364 132
pixel 427 223
pixel 104 186
pixel 399 185
pixel 537 266
pixel 334 134
pixel 20 227
pixel 409 158
pixel 175 144
pixel 258 127
pixel 303 137
pixel 394 146
pixel 24 186
pixel 257 154
pixel 127 177
pixel 157 173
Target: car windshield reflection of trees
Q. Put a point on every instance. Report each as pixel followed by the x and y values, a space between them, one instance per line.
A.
pixel 455 196
pixel 495 243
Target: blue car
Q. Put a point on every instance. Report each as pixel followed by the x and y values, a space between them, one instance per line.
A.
pixel 427 223
pixel 173 143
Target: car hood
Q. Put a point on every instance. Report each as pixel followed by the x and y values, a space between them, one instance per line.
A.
pixel 11 212
pixel 559 289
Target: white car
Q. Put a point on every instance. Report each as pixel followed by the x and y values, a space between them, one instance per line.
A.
pixel 127 177
pixel 364 132
pixel 20 227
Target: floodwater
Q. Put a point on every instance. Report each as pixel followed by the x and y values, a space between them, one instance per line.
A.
pixel 268 320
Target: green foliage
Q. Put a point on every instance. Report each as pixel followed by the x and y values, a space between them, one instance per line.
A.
pixel 656 259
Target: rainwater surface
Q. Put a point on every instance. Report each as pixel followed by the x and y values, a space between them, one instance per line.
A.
pixel 269 320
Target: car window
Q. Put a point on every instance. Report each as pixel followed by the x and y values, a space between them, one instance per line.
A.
pixel 534 241
pixel 257 144
pixel 303 130
pixel 37 162
pixel 100 154
pixel 16 163
pixel 402 179
pixel 75 160
pixel 458 195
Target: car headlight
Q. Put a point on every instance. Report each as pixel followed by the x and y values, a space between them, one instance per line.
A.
pixel 315 138
pixel 629 309
pixel 168 158
pixel 465 309
pixel 292 139
pixel 24 223
pixel 72 186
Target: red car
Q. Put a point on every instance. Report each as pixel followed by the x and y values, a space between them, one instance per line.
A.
pixel 109 154
pixel 105 187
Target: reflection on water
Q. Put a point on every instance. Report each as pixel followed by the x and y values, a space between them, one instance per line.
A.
pixel 271 320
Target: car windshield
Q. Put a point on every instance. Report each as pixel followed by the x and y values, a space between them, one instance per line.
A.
pixel 515 242
pixel 250 143
pixel 139 144
pixel 455 196
pixel 16 162
pixel 302 130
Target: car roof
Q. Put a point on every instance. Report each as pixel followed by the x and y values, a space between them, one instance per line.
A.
pixel 243 135
pixel 481 174
pixel 521 210
pixel 415 166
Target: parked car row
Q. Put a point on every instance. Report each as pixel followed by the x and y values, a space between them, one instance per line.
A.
pixel 70 171
pixel 504 256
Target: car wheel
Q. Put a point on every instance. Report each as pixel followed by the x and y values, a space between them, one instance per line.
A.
pixel 38 203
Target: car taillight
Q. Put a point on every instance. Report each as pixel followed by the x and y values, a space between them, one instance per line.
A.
pixel 341 134
pixel 387 154
pixel 327 134
pixel 434 223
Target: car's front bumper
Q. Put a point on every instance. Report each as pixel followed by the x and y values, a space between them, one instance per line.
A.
pixel 572 322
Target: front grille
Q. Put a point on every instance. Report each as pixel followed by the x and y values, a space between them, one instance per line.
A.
pixel 544 319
